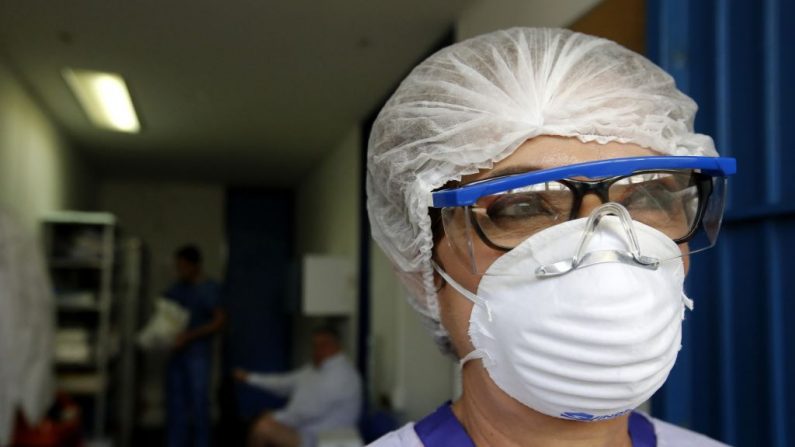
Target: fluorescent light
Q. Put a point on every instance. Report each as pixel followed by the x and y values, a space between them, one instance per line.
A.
pixel 105 99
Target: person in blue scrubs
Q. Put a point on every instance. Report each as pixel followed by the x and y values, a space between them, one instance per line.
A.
pixel 190 365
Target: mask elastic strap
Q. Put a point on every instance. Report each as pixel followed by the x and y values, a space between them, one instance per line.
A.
pixel 688 302
pixel 479 301
pixel 474 355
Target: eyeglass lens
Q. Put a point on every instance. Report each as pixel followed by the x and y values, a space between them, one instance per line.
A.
pixel 666 201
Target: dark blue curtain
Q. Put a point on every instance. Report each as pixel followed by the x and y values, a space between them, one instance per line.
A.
pixel 259 230
pixel 736 374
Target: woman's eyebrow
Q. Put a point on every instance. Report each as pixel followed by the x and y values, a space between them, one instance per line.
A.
pixel 509 170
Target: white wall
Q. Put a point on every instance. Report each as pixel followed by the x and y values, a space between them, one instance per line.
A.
pixel 327 223
pixel 327 205
pixel 386 304
pixel 166 216
pixel 490 15
pixel 408 367
pixel 39 172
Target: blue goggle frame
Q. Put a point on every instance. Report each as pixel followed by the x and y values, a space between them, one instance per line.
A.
pixel 469 194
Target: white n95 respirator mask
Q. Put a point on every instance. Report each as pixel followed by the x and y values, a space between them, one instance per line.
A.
pixel 576 322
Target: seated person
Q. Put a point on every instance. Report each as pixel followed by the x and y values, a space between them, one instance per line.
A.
pixel 325 395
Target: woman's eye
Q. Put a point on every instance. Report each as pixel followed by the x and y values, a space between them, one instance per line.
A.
pixel 652 196
pixel 524 206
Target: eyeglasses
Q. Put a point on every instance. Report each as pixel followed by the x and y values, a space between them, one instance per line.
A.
pixel 681 197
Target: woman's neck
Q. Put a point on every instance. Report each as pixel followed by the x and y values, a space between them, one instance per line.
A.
pixel 494 419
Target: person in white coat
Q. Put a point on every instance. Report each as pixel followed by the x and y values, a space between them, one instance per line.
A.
pixel 541 192
pixel 325 395
pixel 27 328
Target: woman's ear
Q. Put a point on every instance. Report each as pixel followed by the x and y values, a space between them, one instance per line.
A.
pixel 438 281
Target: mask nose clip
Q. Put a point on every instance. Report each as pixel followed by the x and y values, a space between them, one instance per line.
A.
pixel 582 258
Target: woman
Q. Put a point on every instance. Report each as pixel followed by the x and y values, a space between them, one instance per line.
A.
pixel 540 193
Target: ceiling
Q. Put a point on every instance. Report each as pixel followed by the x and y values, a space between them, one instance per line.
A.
pixel 244 91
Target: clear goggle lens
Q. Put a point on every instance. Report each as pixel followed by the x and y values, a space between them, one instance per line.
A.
pixel 685 205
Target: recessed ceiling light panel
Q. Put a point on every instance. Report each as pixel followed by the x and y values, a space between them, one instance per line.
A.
pixel 105 99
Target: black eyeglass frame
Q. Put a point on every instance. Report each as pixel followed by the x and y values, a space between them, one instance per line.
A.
pixel 600 188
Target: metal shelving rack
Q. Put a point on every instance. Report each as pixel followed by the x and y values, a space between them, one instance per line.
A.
pixel 130 282
pixel 80 251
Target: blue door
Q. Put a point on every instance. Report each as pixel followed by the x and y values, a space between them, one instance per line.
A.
pixel 736 374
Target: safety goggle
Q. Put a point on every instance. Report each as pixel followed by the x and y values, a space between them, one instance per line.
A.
pixel 682 197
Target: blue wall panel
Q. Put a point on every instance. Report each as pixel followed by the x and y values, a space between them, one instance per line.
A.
pixel 259 237
pixel 736 376
pixel 786 228
pixel 784 113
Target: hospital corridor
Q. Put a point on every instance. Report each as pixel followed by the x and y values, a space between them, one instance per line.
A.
pixel 397 223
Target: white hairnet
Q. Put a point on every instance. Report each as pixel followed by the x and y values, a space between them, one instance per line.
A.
pixel 473 103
